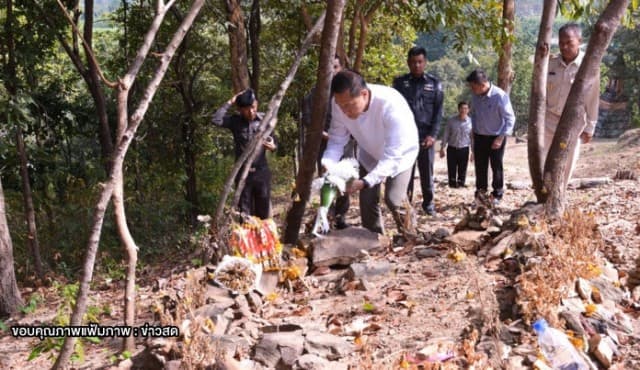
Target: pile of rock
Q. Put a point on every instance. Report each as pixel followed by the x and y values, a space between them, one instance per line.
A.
pixel 235 324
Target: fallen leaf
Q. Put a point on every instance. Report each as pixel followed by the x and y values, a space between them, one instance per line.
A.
pixel 298 252
pixel 368 307
pixel 396 295
pixel 302 311
pixel 372 328
pixel 351 285
pixel 523 220
pixel 404 364
pixel 457 255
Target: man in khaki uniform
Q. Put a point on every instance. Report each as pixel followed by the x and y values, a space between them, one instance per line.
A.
pixel 562 71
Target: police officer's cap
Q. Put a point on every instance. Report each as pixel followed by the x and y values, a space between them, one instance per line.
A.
pixel 246 99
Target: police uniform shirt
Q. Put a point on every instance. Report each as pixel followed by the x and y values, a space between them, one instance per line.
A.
pixel 242 131
pixel 559 81
pixel 425 96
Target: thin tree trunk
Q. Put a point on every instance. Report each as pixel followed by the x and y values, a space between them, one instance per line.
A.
pixel 505 68
pixel 118 158
pixel 255 25
pixel 95 85
pixel 266 127
pixel 237 46
pixel 10 298
pixel 188 125
pixel 353 28
pixel 306 18
pixel 362 43
pixel 30 214
pixel 538 98
pixel 318 117
pixel 365 19
pixel 572 118
pixel 27 196
pixel 128 343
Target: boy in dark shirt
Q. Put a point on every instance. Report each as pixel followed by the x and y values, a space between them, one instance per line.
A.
pixel 255 198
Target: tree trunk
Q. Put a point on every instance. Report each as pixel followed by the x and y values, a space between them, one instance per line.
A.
pixel 27 196
pixel 318 117
pixel 95 86
pixel 365 19
pixel 505 68
pixel 362 43
pixel 266 127
pixel 118 158
pixel 255 25
pixel 10 299
pixel 237 46
pixel 128 343
pixel 353 28
pixel 572 118
pixel 188 125
pixel 538 98
pixel 30 214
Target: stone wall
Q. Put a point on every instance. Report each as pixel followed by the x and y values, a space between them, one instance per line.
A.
pixel 613 118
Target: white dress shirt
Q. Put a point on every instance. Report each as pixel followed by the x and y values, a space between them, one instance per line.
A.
pixel 386 135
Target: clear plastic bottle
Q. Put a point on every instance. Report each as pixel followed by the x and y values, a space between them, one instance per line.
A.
pixel 557 348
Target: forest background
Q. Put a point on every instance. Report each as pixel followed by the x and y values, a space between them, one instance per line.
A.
pixel 177 165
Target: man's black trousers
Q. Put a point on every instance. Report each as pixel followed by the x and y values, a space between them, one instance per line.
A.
pixel 457 161
pixel 483 156
pixel 255 198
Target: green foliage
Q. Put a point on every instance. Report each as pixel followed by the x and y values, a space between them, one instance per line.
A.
pixel 196 262
pixel 452 76
pixel 67 293
pixel 32 305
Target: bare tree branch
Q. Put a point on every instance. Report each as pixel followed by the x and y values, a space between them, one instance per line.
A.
pixel 87 47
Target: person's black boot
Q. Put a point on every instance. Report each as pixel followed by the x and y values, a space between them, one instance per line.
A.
pixel 341 223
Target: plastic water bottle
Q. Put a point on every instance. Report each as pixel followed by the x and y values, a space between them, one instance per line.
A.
pixel 557 349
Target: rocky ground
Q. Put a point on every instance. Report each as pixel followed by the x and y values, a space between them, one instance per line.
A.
pixel 456 299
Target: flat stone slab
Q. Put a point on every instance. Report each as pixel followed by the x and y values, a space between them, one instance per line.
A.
pixel 468 239
pixel 368 270
pixel 343 247
pixel 279 347
pixel 313 362
pixel 327 345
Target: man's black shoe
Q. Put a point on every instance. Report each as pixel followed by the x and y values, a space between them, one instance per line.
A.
pixel 341 223
pixel 430 209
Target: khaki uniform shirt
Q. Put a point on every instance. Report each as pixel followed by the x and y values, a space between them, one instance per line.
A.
pixel 559 81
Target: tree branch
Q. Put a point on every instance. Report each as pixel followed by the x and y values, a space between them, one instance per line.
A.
pixel 87 47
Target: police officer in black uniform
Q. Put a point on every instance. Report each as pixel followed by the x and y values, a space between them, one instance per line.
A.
pixel 424 94
pixel 255 198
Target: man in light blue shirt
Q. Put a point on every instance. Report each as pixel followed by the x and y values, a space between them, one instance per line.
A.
pixel 492 120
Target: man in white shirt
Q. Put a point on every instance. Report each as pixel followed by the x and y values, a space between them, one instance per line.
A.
pixel 562 71
pixel 375 116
